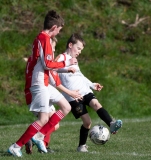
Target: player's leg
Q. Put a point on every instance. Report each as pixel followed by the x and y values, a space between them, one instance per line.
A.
pixel 49 127
pixel 56 97
pixel 79 110
pixel 37 139
pixel 84 130
pixel 47 137
pixel 64 105
pixel 55 119
pixel 15 149
pixel 103 114
pixel 40 99
pixel 42 119
pixel 40 105
pixel 29 145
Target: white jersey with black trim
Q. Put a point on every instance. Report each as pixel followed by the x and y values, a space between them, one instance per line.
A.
pixel 73 81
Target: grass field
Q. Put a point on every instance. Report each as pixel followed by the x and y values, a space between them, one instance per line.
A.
pixel 117 55
pixel 133 142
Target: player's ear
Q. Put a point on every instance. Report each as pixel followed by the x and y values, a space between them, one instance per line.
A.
pixel 53 27
pixel 70 45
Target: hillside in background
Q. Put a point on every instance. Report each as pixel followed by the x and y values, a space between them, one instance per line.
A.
pixel 117 52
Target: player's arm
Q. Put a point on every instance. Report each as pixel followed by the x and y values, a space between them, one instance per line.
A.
pixel 55 81
pixel 94 86
pixel 67 69
pixel 97 86
pixel 87 81
pixel 46 56
pixel 74 94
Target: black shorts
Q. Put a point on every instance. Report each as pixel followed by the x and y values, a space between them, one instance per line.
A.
pixel 79 108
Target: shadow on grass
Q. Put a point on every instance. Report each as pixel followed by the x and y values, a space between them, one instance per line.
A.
pixel 4 154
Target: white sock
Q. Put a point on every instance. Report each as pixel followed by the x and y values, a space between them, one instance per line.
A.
pixel 16 145
pixel 39 136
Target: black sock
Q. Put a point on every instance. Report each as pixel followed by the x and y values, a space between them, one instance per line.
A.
pixel 104 115
pixel 83 135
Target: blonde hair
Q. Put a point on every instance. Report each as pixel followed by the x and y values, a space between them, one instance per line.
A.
pixel 54 39
pixel 53 43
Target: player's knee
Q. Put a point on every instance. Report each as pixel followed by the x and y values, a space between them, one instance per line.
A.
pixel 96 105
pixel 87 124
pixel 64 106
pixel 66 110
pixel 43 121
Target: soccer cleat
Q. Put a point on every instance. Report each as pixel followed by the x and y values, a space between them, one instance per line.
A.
pixel 15 151
pixel 49 150
pixel 82 148
pixel 28 147
pixel 115 126
pixel 40 144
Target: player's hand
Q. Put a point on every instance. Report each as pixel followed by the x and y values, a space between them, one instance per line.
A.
pixel 76 95
pixel 71 69
pixel 97 87
pixel 73 61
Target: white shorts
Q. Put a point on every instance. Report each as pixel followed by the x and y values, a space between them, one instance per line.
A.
pixel 51 109
pixel 43 98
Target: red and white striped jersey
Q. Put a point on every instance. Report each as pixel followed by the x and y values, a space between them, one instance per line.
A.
pixel 40 63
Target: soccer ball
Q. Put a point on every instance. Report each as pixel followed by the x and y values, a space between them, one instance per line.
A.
pixel 99 134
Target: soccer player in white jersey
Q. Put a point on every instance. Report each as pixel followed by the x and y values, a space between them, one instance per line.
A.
pixel 38 89
pixel 77 81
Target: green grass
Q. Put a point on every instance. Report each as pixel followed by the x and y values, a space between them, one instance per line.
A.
pixel 131 143
pixel 115 55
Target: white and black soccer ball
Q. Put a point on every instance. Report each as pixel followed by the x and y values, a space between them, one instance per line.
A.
pixel 99 134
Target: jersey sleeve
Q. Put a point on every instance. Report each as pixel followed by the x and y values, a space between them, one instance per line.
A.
pixel 60 58
pixel 54 78
pixel 28 77
pixel 88 82
pixel 46 55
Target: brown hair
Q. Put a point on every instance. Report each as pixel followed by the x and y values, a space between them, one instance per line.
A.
pixel 74 38
pixel 52 18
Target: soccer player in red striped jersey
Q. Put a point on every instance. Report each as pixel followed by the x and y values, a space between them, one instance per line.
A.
pixel 55 97
pixel 37 86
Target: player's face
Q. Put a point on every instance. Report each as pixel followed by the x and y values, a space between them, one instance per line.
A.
pixel 56 30
pixel 75 49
